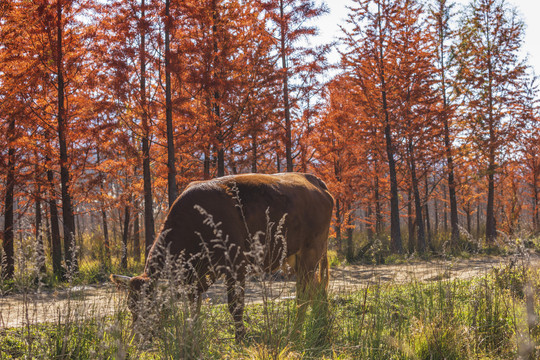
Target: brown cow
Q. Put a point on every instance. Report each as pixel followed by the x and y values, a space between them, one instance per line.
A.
pixel 219 226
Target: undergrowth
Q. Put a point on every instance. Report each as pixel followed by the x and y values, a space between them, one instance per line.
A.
pixel 491 317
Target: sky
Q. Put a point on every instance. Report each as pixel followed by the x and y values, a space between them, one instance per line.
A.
pixel 529 11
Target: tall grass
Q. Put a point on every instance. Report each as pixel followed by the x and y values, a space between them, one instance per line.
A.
pixel 493 316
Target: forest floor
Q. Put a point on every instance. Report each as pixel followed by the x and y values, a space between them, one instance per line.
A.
pixel 102 300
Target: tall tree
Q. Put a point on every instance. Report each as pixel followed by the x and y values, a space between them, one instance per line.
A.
pixel 369 58
pixel 489 67
pixel 171 174
pixel 295 22
pixel 149 230
pixel 8 238
pixel 67 208
pixel 441 14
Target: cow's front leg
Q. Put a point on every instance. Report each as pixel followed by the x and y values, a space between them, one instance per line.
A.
pixel 235 298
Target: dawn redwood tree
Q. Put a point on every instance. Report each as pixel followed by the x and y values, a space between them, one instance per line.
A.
pixel 414 73
pixel 130 82
pixel 8 238
pixel 171 173
pixel 489 70
pixel 294 23
pixel 529 145
pixel 339 153
pixel 441 16
pixel 369 59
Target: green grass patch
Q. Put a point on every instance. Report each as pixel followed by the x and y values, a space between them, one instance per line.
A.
pixel 492 317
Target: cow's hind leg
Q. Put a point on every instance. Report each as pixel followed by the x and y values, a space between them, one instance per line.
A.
pixel 310 286
pixel 235 299
pixel 306 285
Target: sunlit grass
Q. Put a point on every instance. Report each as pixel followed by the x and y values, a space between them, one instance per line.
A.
pixel 488 317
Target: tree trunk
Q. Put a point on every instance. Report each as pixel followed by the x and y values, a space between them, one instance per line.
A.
pixel 395 231
pixel 410 223
pixel 337 225
pixel 426 212
pixel 171 175
pixel 421 239
pixel 254 154
pixel 454 224
pixel 370 223
pixel 468 213
pixel 536 215
pixel 56 246
pixel 40 249
pixel 378 212
pixel 491 227
pixel 136 237
pixel 206 164
pixel 436 210
pixel 478 220
pixel 445 213
pixel 350 232
pixel 67 209
pixel 7 244
pixel 47 226
pixel 287 110
pixel 147 176
pixel 125 235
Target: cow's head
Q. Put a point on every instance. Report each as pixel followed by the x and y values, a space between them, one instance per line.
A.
pixel 136 287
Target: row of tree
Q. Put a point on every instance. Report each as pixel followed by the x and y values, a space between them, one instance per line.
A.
pixel 109 108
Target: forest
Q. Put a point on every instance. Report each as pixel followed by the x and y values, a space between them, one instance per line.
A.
pixel 425 128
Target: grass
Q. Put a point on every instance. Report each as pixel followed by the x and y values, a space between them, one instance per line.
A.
pixel 491 317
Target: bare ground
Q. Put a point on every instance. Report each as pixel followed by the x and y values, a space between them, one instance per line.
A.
pixel 92 301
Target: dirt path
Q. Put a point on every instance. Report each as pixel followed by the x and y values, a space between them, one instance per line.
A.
pixel 91 301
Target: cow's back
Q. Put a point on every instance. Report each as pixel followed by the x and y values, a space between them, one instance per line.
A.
pixel 240 204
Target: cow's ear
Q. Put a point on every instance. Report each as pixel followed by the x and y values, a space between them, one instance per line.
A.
pixel 121 281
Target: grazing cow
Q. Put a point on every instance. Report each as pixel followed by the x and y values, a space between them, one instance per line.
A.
pixel 219 226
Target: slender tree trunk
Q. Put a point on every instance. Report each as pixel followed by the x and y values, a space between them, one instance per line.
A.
pixel 421 239
pixel 67 209
pixel 254 152
pixel 350 232
pixel 491 227
pixel 378 212
pixel 337 225
pixel 278 163
pixel 56 246
pixel 436 210
pixel 147 176
pixel 370 223
pixel 40 249
pixel 454 224
pixel 410 221
pixel 171 176
pixel 106 241
pixel 426 212
pixel 285 69
pixel 7 244
pixel 468 213
pixel 445 212
pixel 79 229
pixel 536 215
pixel 206 164
pixel 220 136
pixel 478 220
pixel 105 228
pixel 125 235
pixel 48 226
pixel 395 231
pixel 136 237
